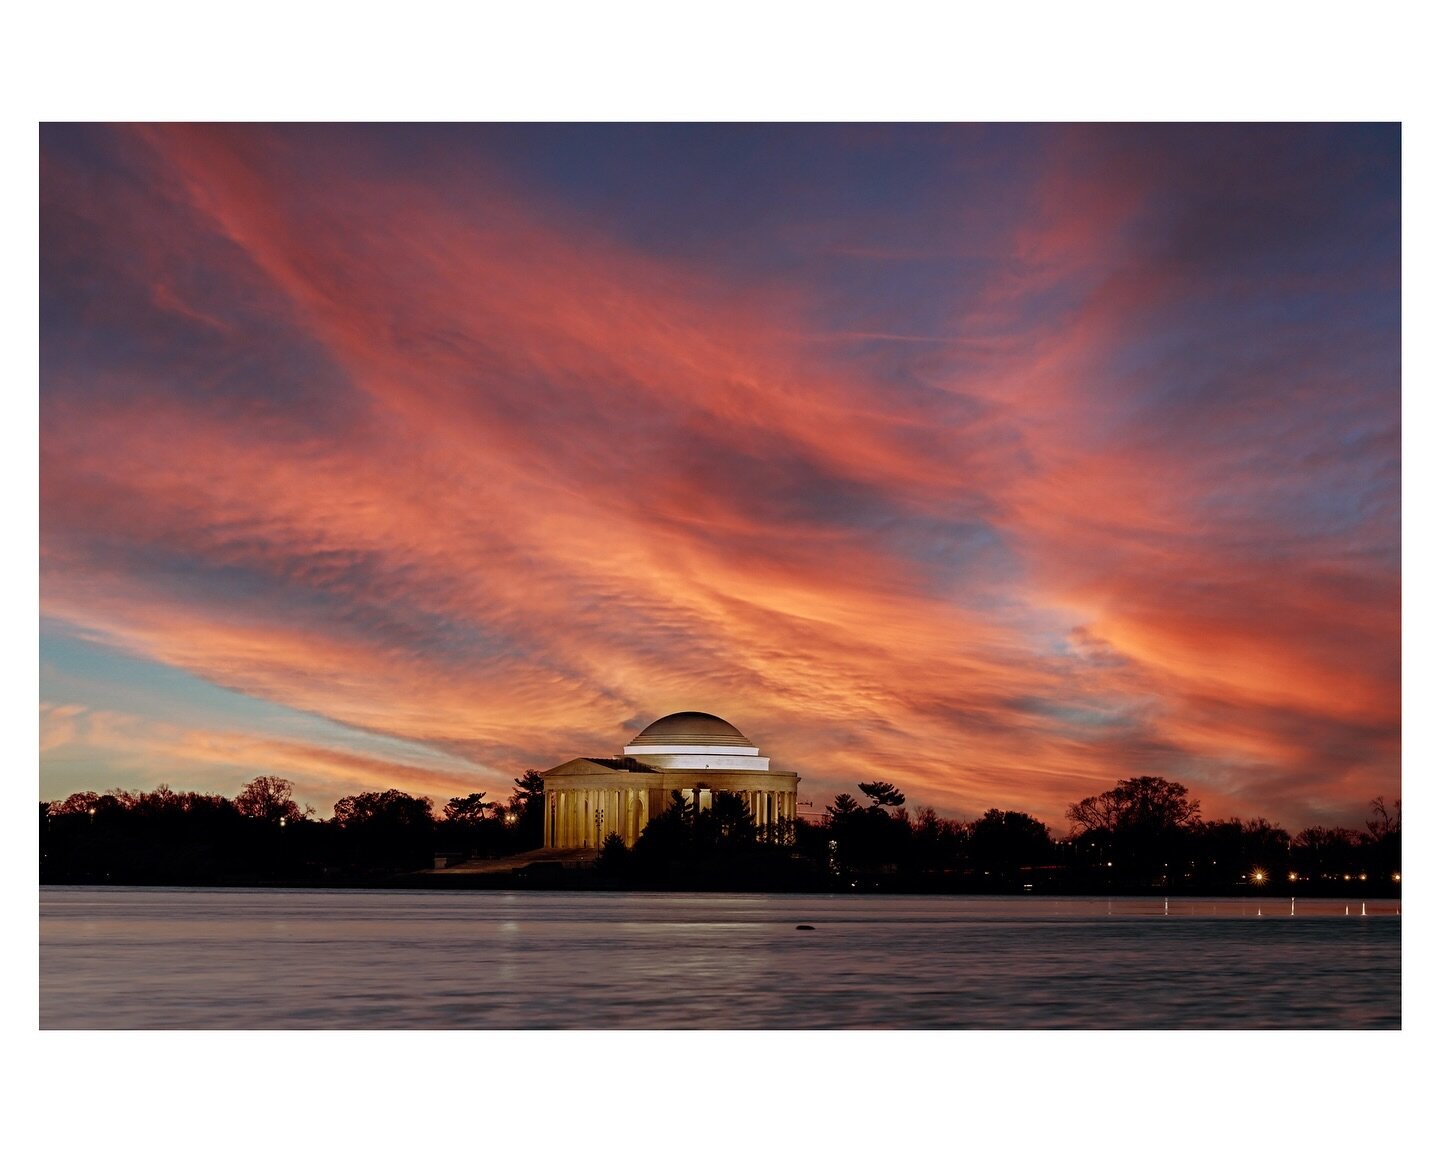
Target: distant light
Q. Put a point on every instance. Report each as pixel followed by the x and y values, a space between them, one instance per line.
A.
pixel 1258 876
pixel 282 821
pixel 1363 876
pixel 1347 875
pixel 1396 877
pixel 1293 876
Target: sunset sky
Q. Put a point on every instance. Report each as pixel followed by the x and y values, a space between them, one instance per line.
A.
pixel 998 462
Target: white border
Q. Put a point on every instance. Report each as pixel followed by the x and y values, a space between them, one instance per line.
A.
pixel 736 61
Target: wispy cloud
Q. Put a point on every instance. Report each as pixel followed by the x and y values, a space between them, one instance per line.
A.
pixel 433 452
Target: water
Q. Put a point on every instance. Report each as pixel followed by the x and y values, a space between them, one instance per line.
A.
pixel 245 958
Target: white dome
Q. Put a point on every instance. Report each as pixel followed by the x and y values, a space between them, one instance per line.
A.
pixel 695 741
pixel 692 728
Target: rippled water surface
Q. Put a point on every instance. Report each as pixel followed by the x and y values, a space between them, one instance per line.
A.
pixel 186 958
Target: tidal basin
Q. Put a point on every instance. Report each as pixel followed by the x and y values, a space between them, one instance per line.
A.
pixel 304 958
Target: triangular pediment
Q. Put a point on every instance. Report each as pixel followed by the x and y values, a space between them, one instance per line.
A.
pixel 582 766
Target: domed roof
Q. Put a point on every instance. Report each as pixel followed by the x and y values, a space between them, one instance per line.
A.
pixel 692 728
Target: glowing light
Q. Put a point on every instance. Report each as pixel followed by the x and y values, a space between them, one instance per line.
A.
pixel 1258 876
pixel 1293 877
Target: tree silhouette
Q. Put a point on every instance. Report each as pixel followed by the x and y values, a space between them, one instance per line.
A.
pixel 1139 825
pixel 1383 822
pixel 269 798
pixel 527 803
pixel 394 807
pixel 1001 843
pixel 883 795
pixel 872 838
pixel 1267 848
pixel 386 829
pixel 1320 853
pixel 77 804
pixel 728 822
pixel 471 825
pixel 1146 827
pixel 669 835
pixel 1147 803
pixel 936 844
pixel 468 810
pixel 1383 849
pixel 614 857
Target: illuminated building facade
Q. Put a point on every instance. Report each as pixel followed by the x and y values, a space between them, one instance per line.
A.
pixel 694 753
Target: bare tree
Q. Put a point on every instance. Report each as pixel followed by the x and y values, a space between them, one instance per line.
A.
pixel 1383 822
pixel 269 798
pixel 1141 803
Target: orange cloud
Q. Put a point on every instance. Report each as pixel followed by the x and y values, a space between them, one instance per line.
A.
pixel 438 460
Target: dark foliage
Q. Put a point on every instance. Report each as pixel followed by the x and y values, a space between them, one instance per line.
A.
pixel 468 810
pixel 165 837
pixel 1144 835
pixel 716 847
pixel 1000 844
pixel 614 858
pixel 269 798
pixel 883 795
pixel 1136 832
pixel 527 805
pixel 386 830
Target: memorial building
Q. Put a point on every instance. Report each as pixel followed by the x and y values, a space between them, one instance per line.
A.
pixel 689 752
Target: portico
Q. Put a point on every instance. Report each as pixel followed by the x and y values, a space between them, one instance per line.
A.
pixel 694 753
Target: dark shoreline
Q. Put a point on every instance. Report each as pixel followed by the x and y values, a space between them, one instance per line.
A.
pixel 499 882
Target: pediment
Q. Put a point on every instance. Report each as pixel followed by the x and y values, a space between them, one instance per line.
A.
pixel 577 767
pixel 594 766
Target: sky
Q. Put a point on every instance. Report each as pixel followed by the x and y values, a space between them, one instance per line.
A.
pixel 999 462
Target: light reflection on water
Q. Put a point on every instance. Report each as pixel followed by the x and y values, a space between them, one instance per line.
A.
pixel 242 958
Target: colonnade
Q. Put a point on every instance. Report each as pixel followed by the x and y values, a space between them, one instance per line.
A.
pixel 584 817
pixel 769 808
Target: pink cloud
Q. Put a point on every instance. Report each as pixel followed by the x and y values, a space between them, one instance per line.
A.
pixel 561 485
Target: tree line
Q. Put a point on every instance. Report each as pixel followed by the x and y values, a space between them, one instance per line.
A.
pixel 1146 834
pixel 263 835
